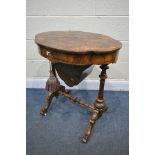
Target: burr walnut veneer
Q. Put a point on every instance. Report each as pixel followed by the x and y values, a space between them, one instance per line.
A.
pixel 73 55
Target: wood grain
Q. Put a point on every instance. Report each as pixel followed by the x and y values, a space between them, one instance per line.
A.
pixel 77 42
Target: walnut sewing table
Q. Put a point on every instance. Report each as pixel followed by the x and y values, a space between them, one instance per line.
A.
pixel 73 55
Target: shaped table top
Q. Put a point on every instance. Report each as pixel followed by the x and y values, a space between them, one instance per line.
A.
pixel 77 42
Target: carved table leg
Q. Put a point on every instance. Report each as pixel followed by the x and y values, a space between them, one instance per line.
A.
pixel 91 126
pixel 47 104
pixel 52 86
pixel 100 104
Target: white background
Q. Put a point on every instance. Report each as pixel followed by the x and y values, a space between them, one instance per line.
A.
pixel 13 77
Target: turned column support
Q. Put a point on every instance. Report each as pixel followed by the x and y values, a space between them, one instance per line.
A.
pixel 100 103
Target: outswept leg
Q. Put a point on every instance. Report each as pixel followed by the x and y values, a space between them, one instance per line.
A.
pixel 52 87
pixel 44 110
pixel 91 125
pixel 49 98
